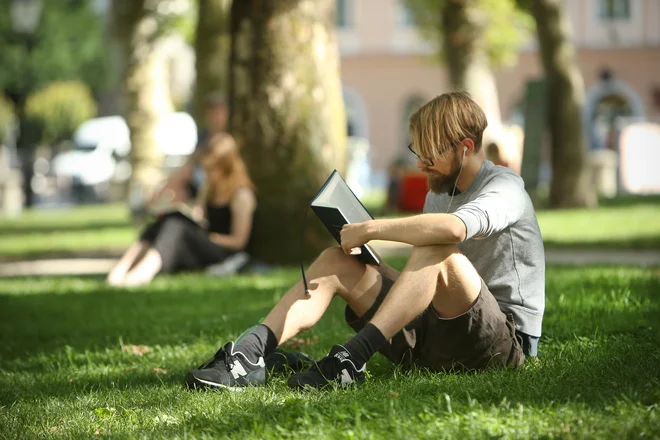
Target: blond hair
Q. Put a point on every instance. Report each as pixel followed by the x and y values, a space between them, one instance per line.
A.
pixel 445 121
pixel 222 154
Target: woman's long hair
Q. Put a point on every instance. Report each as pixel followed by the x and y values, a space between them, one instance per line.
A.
pixel 222 155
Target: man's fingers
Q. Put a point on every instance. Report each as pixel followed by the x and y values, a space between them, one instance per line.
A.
pixel 355 251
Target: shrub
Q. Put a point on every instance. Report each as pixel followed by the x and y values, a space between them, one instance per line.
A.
pixel 6 117
pixel 54 112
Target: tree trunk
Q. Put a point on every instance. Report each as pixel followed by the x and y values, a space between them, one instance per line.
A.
pixel 570 185
pixel 212 53
pixel 464 46
pixel 146 90
pixel 287 112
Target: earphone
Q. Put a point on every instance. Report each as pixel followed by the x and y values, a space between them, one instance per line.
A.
pixel 465 148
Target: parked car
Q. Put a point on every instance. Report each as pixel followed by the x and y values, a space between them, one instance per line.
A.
pixel 101 149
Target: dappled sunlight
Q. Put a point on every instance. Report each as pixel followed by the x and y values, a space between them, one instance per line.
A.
pixel 93 358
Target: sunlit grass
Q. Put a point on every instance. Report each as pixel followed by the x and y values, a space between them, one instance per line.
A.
pixel 629 223
pixel 67 368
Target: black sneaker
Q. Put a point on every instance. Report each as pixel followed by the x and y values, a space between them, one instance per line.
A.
pixel 282 362
pixel 227 369
pixel 336 368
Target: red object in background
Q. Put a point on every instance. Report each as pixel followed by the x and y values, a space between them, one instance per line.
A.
pixel 412 192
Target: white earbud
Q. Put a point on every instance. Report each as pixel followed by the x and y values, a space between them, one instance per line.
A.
pixel 465 148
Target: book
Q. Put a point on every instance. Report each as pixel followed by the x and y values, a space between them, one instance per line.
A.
pixel 336 205
pixel 164 207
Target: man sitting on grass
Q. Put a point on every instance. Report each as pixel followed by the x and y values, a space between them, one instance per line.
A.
pixel 471 295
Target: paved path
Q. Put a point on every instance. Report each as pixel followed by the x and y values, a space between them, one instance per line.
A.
pixel 97 266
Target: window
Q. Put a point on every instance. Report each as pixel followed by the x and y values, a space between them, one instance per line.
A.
pixel 614 9
pixel 343 14
pixel 404 17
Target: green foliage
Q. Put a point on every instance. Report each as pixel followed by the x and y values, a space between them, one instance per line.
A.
pixel 82 360
pixel 508 26
pixel 6 117
pixel 67 45
pixel 58 109
pixel 186 22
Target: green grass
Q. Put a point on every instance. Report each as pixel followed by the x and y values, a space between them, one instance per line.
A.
pixel 86 229
pixel 628 223
pixel 63 373
pixel 634 225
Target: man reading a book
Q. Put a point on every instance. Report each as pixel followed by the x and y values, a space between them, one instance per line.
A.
pixel 470 297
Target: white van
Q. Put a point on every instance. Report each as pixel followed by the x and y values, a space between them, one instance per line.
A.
pixel 101 147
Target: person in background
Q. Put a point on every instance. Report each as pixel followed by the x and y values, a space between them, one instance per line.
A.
pixel 184 183
pixel 176 241
pixel 494 155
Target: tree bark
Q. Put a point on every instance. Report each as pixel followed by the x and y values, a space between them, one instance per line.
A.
pixel 287 112
pixel 145 87
pixel 570 177
pixel 464 47
pixel 212 46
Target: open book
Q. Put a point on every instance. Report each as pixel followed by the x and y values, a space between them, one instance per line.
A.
pixel 336 205
pixel 163 207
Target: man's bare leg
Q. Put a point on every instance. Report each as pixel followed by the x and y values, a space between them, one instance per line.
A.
pixel 333 273
pixel 434 274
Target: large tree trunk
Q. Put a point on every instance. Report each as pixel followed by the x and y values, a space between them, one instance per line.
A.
pixel 146 90
pixel 464 46
pixel 212 52
pixel 288 114
pixel 570 186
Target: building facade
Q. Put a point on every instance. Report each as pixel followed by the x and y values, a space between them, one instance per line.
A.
pixel 388 70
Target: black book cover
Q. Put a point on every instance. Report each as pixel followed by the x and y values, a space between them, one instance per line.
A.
pixel 336 205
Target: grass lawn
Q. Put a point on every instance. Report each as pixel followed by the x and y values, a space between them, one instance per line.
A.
pixel 632 223
pixel 63 372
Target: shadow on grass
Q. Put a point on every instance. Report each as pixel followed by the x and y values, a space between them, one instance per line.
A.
pixel 610 370
pixel 60 341
pixel 46 229
pixel 50 323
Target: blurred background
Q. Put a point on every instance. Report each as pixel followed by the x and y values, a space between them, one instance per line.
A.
pixel 101 99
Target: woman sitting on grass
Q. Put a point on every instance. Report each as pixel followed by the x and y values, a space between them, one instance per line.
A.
pixel 177 242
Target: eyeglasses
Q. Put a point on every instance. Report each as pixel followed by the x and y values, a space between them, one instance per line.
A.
pixel 427 162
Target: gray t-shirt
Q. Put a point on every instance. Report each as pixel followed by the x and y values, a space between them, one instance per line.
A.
pixel 503 241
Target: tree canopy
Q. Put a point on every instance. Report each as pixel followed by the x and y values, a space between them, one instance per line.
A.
pixel 507 25
pixel 67 45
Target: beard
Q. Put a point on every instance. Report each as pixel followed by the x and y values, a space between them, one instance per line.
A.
pixel 440 183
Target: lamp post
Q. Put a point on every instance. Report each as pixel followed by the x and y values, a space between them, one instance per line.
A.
pixel 25 16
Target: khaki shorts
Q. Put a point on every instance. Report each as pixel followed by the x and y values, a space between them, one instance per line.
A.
pixel 480 338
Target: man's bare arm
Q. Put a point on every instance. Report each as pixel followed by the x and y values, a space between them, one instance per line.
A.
pixel 418 230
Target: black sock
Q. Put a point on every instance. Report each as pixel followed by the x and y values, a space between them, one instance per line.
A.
pixel 365 344
pixel 260 342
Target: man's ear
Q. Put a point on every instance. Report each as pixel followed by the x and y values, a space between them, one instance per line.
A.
pixel 469 143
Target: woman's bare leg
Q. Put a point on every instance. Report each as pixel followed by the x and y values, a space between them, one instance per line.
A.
pixel 145 270
pixel 128 260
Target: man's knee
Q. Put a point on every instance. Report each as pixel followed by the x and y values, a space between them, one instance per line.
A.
pixel 334 257
pixel 438 258
pixel 334 261
pixel 435 254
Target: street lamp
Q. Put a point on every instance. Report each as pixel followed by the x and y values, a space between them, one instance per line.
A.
pixel 25 16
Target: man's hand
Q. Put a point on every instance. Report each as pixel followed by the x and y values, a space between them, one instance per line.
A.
pixel 353 236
